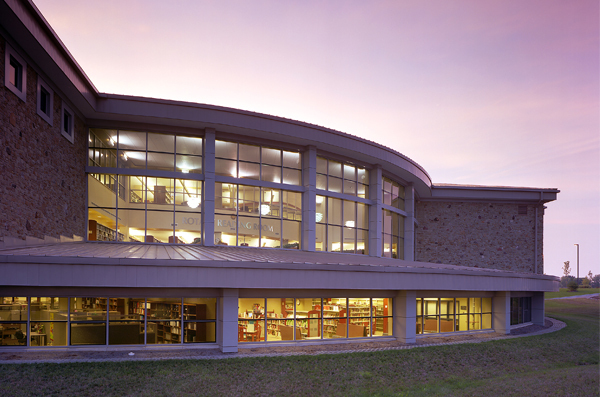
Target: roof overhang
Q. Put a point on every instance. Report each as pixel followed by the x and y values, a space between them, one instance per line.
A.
pixel 111 265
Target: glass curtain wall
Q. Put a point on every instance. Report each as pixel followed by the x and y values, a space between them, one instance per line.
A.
pixel 260 163
pixel 253 216
pixel 520 310
pixel 346 178
pixel 289 319
pixel 61 321
pixel 393 222
pixel 342 226
pixel 123 206
pixel 439 315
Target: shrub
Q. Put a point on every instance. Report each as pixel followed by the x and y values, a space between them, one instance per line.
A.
pixel 572 285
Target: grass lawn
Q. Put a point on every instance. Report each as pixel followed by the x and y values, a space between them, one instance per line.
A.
pixel 565 292
pixel 563 363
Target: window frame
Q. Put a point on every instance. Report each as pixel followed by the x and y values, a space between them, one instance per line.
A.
pixel 69 132
pixel 41 87
pixel 11 55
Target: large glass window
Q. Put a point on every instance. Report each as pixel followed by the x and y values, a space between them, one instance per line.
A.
pixel 439 315
pixel 520 310
pixel 199 320
pixel 342 226
pixel 393 193
pixel 251 216
pixel 339 177
pixel 88 320
pixel 61 321
pixel 13 321
pixel 155 210
pixel 136 208
pixel 240 160
pixel 48 321
pixel 288 319
pixel 392 234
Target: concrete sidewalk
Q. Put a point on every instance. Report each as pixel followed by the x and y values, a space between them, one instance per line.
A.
pixel 587 296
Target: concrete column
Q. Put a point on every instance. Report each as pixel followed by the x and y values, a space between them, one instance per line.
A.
pixel 501 312
pixel 309 181
pixel 228 321
pixel 405 316
pixel 375 217
pixel 537 308
pixel 409 223
pixel 208 201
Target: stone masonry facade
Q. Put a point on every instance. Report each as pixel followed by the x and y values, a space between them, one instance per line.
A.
pixel 476 234
pixel 43 182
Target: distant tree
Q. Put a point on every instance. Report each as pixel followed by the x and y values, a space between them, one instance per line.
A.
pixel 564 281
pixel 585 283
pixel 590 276
pixel 567 269
pixel 596 281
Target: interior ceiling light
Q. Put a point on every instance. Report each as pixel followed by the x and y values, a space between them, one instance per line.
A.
pixel 193 202
pixel 265 209
pixel 318 217
pixel 349 223
pixel 185 171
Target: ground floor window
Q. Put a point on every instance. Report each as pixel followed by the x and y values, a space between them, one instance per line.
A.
pixel 438 315
pixel 520 310
pixel 289 319
pixel 62 321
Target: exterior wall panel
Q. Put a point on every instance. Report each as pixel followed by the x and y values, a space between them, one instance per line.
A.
pixel 474 234
pixel 43 186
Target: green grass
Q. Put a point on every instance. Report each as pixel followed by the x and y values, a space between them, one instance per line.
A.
pixel 558 364
pixel 565 292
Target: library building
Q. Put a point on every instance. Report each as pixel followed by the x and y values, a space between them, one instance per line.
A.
pixel 138 222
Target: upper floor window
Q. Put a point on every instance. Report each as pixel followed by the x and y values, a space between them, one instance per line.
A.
pixel 68 123
pixel 45 100
pixel 15 77
pixel 393 193
pixel 252 216
pixel 339 177
pixel 260 163
pixel 342 226
pixel 141 150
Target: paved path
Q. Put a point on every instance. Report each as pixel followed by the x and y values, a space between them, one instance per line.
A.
pixel 194 355
pixel 587 296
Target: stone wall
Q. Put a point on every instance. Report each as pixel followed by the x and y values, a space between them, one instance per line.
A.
pixel 42 183
pixel 487 235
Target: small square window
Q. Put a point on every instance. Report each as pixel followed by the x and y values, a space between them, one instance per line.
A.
pixel 45 100
pixel 68 123
pixel 15 76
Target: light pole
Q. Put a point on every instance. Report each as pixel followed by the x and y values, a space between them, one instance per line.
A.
pixel 577 263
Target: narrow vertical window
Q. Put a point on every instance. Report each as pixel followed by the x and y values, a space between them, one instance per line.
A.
pixel 68 121
pixel 44 100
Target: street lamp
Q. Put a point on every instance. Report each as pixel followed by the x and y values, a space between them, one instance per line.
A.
pixel 577 263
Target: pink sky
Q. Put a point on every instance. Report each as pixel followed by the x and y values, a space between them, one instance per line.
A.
pixel 494 93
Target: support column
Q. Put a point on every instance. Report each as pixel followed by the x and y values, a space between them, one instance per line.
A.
pixel 405 316
pixel 309 181
pixel 228 321
pixel 537 308
pixel 208 201
pixel 501 312
pixel 409 223
pixel 375 217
